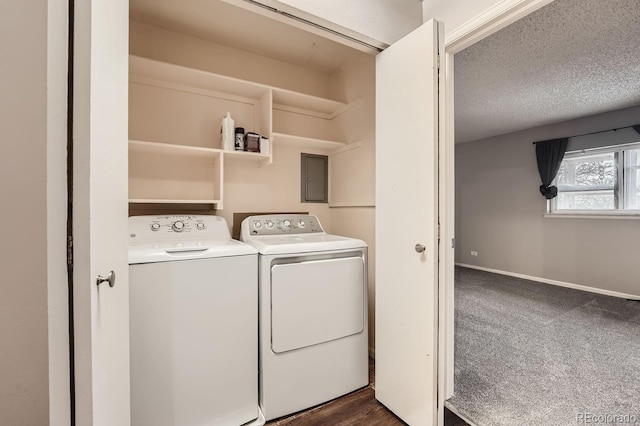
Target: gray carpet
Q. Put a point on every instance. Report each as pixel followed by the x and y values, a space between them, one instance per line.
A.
pixel 528 353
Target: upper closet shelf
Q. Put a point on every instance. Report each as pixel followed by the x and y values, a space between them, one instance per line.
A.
pixel 292 140
pixel 218 203
pixel 144 68
pixel 198 152
pixel 171 149
pixel 306 104
pixel 158 73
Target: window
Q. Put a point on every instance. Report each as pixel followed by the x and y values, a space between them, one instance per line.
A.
pixel 602 180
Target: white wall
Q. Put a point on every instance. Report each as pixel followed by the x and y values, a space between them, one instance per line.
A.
pixel 389 20
pixel 455 13
pixel 500 214
pixel 33 313
pixel 168 46
pixel 352 173
pixel 383 20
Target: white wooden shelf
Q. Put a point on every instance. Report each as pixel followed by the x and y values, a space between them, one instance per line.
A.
pixel 162 73
pixel 301 141
pixel 297 102
pixel 181 174
pixel 234 157
pixel 170 101
pixel 176 174
pixel 237 157
pixel 165 74
pixel 172 149
pixel 172 201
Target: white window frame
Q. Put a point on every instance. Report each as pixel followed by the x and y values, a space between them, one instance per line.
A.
pixel 619 187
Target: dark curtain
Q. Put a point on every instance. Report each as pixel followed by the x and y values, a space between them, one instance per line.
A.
pixel 636 128
pixel 549 155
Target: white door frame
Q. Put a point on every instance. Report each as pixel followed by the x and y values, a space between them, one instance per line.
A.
pixel 485 24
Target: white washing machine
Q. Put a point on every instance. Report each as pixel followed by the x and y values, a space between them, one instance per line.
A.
pixel 313 312
pixel 193 323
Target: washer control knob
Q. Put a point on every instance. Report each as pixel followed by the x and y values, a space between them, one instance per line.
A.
pixel 155 226
pixel 257 225
pixel 286 223
pixel 200 226
pixel 301 223
pixel 269 224
pixel 178 226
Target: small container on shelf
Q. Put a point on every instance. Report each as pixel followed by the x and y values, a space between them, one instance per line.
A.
pixel 264 145
pixel 239 140
pixel 252 142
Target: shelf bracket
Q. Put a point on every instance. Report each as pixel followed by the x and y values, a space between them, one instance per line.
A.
pixel 345 108
pixel 348 147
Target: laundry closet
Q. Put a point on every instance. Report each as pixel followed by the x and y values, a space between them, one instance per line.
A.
pixel 191 62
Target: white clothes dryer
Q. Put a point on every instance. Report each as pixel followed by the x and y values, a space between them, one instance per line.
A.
pixel 193 323
pixel 313 312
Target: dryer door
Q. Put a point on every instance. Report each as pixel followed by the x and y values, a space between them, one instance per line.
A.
pixel 316 301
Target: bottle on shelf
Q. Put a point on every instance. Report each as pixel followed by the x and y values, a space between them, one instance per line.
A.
pixel 239 145
pixel 227 136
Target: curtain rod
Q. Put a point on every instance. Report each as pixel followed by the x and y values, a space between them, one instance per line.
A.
pixel 595 133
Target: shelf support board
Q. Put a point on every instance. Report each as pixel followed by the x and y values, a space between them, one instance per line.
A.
pixel 345 108
pixel 348 147
pixel 190 89
pixel 301 111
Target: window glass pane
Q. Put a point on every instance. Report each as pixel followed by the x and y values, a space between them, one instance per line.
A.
pixel 632 179
pixel 587 171
pixel 587 182
pixel 604 200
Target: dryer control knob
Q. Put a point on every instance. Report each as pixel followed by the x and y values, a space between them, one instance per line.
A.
pixel 301 224
pixel 286 223
pixel 178 226
pixel 155 226
pixel 257 225
pixel 200 226
pixel 269 224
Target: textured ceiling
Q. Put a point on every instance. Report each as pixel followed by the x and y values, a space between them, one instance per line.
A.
pixel 569 59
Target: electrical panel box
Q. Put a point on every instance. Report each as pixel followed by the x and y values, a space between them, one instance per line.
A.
pixel 314 174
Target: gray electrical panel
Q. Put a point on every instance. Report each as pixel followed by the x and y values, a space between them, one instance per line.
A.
pixel 314 178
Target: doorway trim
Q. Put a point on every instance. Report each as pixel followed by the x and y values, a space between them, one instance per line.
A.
pixel 481 26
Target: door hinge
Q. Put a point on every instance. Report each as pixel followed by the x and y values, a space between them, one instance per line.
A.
pixel 438 61
pixel 438 232
pixel 69 250
pixel 453 243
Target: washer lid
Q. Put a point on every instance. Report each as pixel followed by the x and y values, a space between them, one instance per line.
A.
pixel 171 251
pixel 302 243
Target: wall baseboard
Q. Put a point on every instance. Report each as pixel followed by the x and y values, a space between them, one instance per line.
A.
pixel 553 282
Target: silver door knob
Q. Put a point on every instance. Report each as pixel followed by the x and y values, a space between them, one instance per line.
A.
pixel 111 279
pixel 420 248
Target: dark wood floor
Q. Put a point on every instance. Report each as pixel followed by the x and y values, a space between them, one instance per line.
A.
pixel 357 408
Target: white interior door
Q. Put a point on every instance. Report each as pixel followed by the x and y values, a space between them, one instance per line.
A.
pixel 406 224
pixel 101 313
